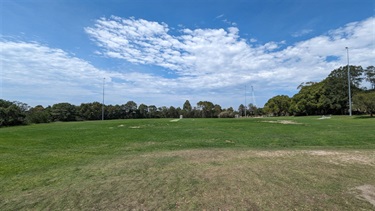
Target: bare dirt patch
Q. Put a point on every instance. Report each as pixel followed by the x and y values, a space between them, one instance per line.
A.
pixel 134 127
pixel 323 153
pixel 175 120
pixel 277 153
pixel 343 158
pixel 367 193
pixel 284 122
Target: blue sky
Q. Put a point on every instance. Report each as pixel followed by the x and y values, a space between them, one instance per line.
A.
pixel 165 52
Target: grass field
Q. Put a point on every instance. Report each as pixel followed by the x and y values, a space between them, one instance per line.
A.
pixel 291 163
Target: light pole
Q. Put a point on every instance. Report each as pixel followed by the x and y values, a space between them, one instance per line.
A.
pixel 245 100
pixel 103 100
pixel 349 92
pixel 252 91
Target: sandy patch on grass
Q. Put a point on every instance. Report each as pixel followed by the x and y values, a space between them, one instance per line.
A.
pixel 277 153
pixel 135 127
pixel 367 193
pixel 343 158
pixel 284 122
pixel 358 159
pixel 323 153
pixel 175 120
pixel 325 117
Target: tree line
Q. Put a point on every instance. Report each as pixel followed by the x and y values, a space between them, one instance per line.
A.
pixel 18 113
pixel 329 96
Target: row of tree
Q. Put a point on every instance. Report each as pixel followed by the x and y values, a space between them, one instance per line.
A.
pixel 330 96
pixel 17 113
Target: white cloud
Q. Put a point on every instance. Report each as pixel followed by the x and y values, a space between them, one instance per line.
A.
pixel 302 32
pixel 37 74
pixel 207 64
pixel 220 58
pixel 35 71
pixel 219 16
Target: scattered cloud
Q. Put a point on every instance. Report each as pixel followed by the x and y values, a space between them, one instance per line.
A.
pixel 229 22
pixel 30 69
pixel 216 53
pixel 219 16
pixel 301 33
pixel 225 20
pixel 208 64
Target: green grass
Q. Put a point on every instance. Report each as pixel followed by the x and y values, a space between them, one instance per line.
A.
pixel 256 164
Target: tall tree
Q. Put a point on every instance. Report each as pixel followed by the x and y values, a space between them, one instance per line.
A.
pixel 365 102
pixel 370 75
pixel 241 110
pixel 12 113
pixel 163 111
pixel 310 100
pixel 253 110
pixel 64 112
pixel 114 112
pixel 172 112
pixel 336 87
pixel 143 110
pixel 207 108
pixel 90 111
pixel 278 105
pixel 186 109
pixel 38 114
pixel 130 109
pixel 153 111
pixel 217 110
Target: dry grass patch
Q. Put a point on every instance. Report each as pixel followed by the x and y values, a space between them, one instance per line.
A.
pixel 217 179
pixel 367 193
pixel 346 158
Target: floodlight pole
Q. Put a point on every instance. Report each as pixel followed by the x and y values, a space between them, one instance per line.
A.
pixel 252 91
pixel 349 92
pixel 245 100
pixel 103 100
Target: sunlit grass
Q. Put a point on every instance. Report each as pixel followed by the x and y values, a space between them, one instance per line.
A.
pixel 188 164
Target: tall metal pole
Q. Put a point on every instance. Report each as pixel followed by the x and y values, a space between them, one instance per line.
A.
pixel 245 100
pixel 350 95
pixel 103 100
pixel 252 91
